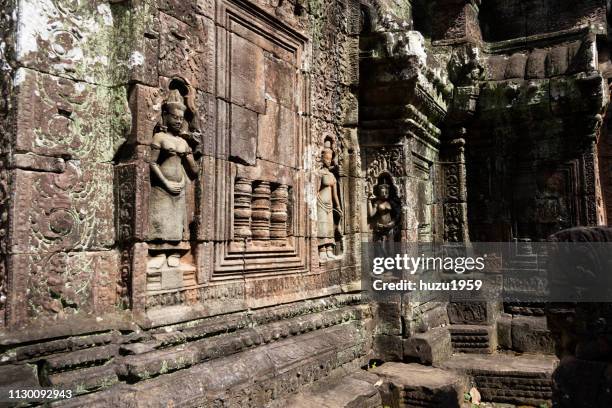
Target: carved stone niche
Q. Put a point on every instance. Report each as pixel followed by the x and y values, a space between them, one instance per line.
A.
pixel 255 212
pixel 156 184
pixel 385 168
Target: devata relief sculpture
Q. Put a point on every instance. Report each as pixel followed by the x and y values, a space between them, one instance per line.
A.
pixel 329 212
pixel 172 163
pixel 382 213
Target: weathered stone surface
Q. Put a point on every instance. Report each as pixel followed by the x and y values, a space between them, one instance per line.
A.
pixel 470 312
pixel 425 386
pixel 74 40
pixel 248 75
pixel 244 132
pixel 187 52
pixel 473 338
pixel 342 389
pixel 504 331
pixel 471 120
pixel 429 348
pixel 23 375
pixel 70 119
pixel 513 379
pixel 62 284
pixel 277 366
pixel 63 211
pixel 530 335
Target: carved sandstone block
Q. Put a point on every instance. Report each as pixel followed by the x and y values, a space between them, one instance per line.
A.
pixel 131 191
pixel 57 285
pixel 206 114
pixel 145 106
pixel 188 11
pixel 280 79
pixel 277 135
pixel 61 117
pixel 72 39
pixel 243 145
pixel 247 74
pixel 187 52
pixel 66 211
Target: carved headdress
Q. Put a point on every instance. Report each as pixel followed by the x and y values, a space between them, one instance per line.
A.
pixel 175 101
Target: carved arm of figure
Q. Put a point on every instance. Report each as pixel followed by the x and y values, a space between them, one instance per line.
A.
pixel 192 164
pixel 173 187
pixel 372 210
pixel 336 200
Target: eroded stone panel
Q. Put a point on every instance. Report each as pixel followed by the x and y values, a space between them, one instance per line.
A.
pixel 55 212
pixel 58 285
pixel 70 119
pixel 187 52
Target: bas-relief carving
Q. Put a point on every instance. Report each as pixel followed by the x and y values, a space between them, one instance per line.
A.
pixel 329 210
pixel 383 213
pixel 172 166
pixel 4 209
pixel 384 166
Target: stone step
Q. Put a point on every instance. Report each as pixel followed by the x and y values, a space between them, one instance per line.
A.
pixel 415 385
pixel 472 338
pixel 341 389
pixel 507 378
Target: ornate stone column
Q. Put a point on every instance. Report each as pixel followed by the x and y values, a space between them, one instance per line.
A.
pixel 278 219
pixel 260 226
pixel 455 191
pixel 243 191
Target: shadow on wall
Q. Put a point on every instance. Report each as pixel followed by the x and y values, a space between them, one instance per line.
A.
pixel 582 331
pixel 504 20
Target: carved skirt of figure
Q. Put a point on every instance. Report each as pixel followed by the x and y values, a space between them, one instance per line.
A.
pixel 325 210
pixel 166 215
pixel 325 222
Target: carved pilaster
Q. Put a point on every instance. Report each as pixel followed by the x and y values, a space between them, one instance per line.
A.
pixel 243 192
pixel 455 196
pixel 4 210
pixel 260 225
pixel 279 216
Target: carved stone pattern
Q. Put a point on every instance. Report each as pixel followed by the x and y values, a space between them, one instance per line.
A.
pixel 66 211
pixel 123 282
pixel 590 189
pixel 261 211
pixel 4 209
pixel 453 222
pixel 452 182
pixel 243 191
pixel 126 202
pixel 69 283
pixel 278 220
pixel 384 159
pixel 187 51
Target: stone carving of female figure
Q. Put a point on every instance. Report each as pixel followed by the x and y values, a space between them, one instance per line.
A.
pixel 383 214
pixel 327 203
pixel 171 159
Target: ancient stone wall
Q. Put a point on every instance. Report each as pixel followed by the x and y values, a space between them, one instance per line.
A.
pixel 186 186
pixel 168 162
